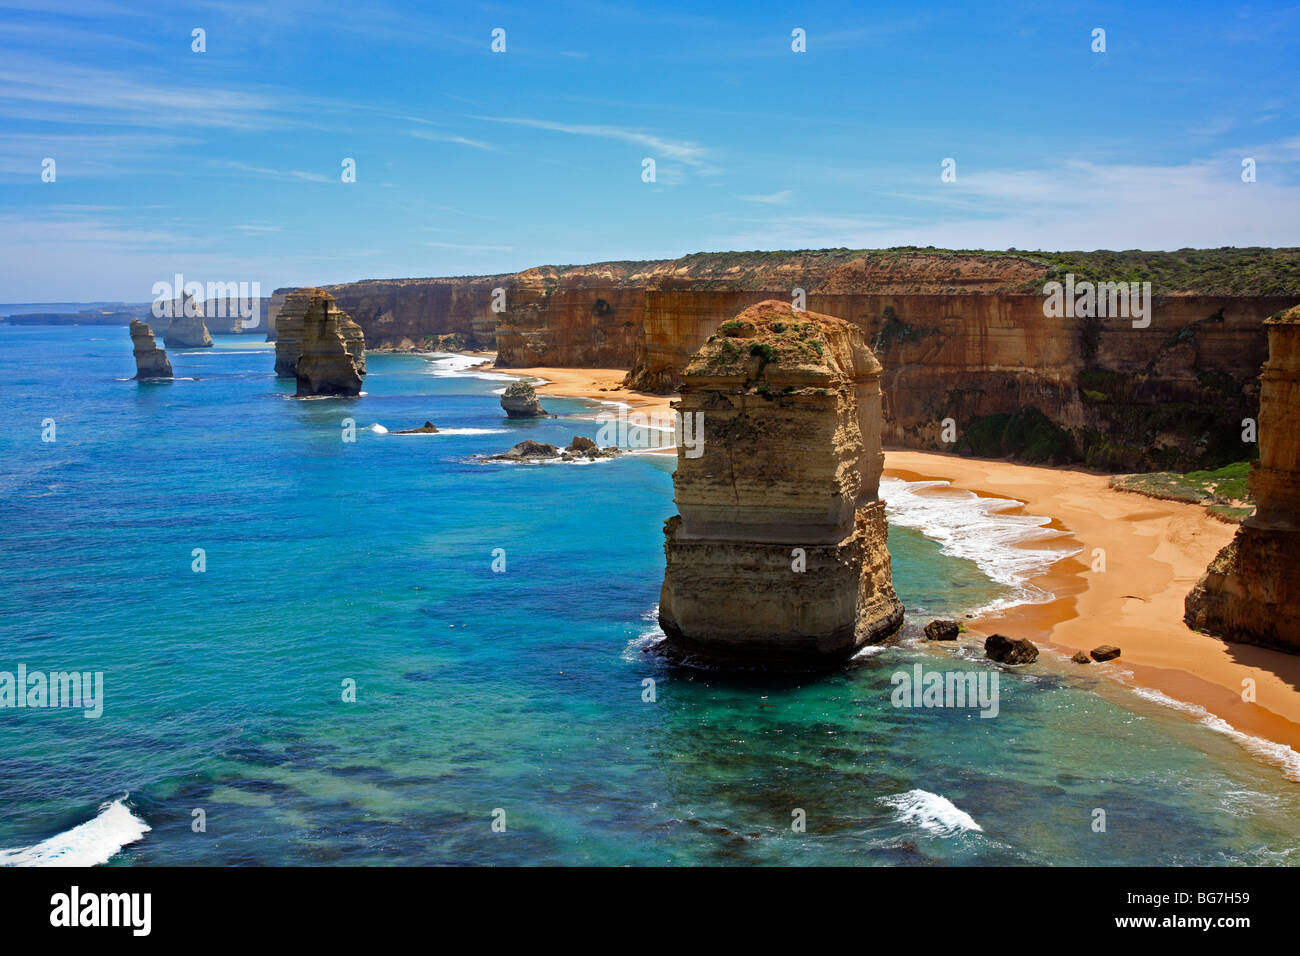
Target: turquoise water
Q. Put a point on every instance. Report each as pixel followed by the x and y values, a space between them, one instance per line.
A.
pixel 479 691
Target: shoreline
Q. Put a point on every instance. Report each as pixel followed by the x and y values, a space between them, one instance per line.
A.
pixel 598 384
pixel 1155 551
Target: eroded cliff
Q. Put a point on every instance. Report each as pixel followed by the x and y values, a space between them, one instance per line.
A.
pixel 1251 591
pixel 778 557
pixel 961 336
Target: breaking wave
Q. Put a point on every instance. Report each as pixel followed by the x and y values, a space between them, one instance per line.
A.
pixel 88 844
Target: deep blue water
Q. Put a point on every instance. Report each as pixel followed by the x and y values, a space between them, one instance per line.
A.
pixel 371 561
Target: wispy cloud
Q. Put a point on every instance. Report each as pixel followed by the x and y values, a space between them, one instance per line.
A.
pixel 296 174
pixel 451 138
pixel 679 150
pixel 468 246
pixel 771 199
pixel 1077 205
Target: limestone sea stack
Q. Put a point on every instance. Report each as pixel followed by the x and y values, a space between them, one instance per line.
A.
pixel 520 401
pixel 1251 592
pixel 150 360
pixel 777 558
pixel 187 331
pixel 318 344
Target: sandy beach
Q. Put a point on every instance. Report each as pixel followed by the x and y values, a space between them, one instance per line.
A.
pixel 1154 553
pixel 603 384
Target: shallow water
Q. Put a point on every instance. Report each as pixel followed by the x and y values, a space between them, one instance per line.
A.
pixel 478 691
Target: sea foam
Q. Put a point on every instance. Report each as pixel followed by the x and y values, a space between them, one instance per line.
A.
pixel 1268 750
pixel 931 812
pixel 981 530
pixel 88 844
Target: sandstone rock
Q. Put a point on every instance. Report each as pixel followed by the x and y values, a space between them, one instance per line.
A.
pixel 528 449
pixel 1009 650
pixel 426 429
pixel 1251 591
pixel 150 361
pixel 186 331
pixel 1081 657
pixel 778 556
pixel 942 631
pixel 1106 652
pixel 319 345
pixel 582 447
pixel 520 401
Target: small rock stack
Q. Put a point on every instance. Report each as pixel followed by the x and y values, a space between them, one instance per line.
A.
pixel 778 557
pixel 520 401
pixel 150 360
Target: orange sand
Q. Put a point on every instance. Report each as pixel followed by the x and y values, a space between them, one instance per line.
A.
pixel 1154 553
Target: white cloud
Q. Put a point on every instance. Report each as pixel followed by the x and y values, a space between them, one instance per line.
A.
pixel 449 138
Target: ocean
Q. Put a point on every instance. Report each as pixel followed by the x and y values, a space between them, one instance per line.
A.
pixel 236 570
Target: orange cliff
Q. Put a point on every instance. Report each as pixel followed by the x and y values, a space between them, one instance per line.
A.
pixel 1251 591
pixel 961 336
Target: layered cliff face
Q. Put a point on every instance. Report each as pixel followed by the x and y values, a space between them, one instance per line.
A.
pixel 1251 592
pixel 583 316
pixel 962 336
pixel 416 314
pixel 778 557
pixel 319 345
pixel 150 361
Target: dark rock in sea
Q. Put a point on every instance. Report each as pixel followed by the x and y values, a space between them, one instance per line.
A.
pixel 942 631
pixel 1081 658
pixel 520 401
pixel 582 447
pixel 1105 652
pixel 426 429
pixel 150 361
pixel 1010 650
pixel 528 449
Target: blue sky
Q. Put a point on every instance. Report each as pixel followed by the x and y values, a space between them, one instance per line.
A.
pixel 225 165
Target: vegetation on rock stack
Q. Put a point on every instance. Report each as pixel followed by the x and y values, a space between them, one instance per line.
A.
pixel 774 333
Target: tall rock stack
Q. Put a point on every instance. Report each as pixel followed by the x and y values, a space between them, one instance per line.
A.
pixel 318 344
pixel 1251 592
pixel 778 557
pixel 150 360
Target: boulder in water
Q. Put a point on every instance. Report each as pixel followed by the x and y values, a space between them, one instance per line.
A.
pixel 520 401
pixel 427 428
pixel 1010 650
pixel 942 631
